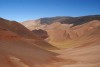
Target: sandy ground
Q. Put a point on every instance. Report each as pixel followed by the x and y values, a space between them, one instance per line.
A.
pixel 16 51
pixel 83 57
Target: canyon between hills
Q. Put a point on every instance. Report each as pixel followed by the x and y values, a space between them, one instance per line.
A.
pixel 51 42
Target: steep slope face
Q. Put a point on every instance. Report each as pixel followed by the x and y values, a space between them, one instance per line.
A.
pixel 17 28
pixel 57 32
pixel 89 38
pixel 16 51
pixel 86 27
pixel 6 35
pixel 61 33
pixel 22 31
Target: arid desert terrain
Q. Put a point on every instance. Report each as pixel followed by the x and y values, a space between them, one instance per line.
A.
pixel 51 42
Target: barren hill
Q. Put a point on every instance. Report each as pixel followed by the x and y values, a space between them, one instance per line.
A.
pixel 17 49
pixel 85 52
pixel 19 52
pixel 36 44
pixel 16 28
pixel 22 31
pixel 62 29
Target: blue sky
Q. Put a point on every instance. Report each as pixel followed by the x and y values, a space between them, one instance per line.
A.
pixel 21 10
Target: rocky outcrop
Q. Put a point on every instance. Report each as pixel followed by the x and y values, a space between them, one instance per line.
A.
pixel 41 33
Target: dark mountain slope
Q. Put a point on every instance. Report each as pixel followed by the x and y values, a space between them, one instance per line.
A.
pixel 17 28
pixel 70 20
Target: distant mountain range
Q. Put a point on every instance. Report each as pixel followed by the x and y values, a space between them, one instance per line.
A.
pixel 69 20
